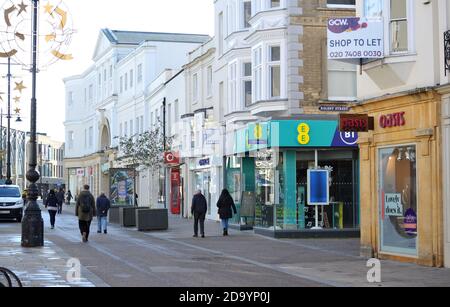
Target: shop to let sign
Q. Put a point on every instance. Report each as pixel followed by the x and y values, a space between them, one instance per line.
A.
pixel 355 38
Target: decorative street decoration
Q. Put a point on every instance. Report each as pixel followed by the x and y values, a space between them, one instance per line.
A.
pixel 55 33
pixel 20 87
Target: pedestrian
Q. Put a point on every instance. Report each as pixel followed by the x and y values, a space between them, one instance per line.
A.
pixel 60 198
pixel 44 195
pixel 199 209
pixel 69 197
pixel 103 206
pixel 51 203
pixel 225 205
pixel 85 211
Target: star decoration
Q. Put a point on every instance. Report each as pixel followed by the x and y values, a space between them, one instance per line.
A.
pixel 23 8
pixel 48 8
pixel 17 99
pixel 20 87
pixel 17 110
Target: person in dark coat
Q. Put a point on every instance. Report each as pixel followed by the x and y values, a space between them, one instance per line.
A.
pixel 60 197
pixel 85 211
pixel 69 197
pixel 226 205
pixel 198 210
pixel 51 203
pixel 103 206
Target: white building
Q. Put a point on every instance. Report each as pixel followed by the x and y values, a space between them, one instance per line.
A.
pixel 108 100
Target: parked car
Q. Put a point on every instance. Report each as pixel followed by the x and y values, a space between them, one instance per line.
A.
pixel 11 203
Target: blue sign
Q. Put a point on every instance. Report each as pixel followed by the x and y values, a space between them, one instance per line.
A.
pixel 318 187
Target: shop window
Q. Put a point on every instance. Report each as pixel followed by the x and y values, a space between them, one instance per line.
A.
pixel 398 200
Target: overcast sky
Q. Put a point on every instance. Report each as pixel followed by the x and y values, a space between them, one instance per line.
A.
pixel 185 16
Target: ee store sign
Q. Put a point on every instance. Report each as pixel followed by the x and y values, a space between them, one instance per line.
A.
pixel 355 38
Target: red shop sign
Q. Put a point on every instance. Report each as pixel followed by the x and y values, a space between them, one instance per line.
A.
pixel 393 120
pixel 171 158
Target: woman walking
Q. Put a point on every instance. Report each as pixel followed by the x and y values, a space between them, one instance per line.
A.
pixel 225 205
pixel 51 203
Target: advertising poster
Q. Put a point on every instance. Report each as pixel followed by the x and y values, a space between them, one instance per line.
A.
pixel 355 38
pixel 122 187
pixel 318 187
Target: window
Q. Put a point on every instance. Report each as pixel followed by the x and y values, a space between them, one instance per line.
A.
pixel 257 73
pixel 91 92
pixel 99 80
pixel 125 130
pixel 275 71
pixel 91 137
pixel 85 138
pixel 131 128
pixel 220 33
pixel 139 76
pixel 209 76
pixel 104 75
pixel 131 78
pixel 121 130
pixel 398 200
pixel 85 96
pixel 126 81
pixel 70 98
pixel 110 71
pixel 340 3
pixel 71 139
pixel 341 81
pixel 195 88
pixel 232 87
pixel 176 111
pixel 141 122
pixel 247 84
pixel 121 84
pixel 247 13
pixel 399 26
pixel 276 3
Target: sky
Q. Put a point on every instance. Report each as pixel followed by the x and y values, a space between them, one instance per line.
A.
pixel 89 17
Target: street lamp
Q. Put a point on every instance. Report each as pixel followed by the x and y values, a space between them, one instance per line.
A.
pixel 32 223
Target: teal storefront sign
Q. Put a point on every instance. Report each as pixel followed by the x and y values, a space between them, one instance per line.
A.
pixel 293 133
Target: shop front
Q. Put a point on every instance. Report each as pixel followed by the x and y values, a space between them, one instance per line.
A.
pixel 267 177
pixel 401 200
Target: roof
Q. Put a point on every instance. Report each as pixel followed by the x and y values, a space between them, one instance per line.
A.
pixel 136 37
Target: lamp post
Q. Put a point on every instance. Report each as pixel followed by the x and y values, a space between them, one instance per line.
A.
pixel 33 224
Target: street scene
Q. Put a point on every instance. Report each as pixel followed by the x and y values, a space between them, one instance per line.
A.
pixel 225 144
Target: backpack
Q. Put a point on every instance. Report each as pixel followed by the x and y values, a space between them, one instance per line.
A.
pixel 85 205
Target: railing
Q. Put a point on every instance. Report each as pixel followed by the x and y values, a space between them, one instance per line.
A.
pixel 447 51
pixel 8 279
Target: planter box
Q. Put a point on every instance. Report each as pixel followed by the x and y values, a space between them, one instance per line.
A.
pixel 114 214
pixel 152 219
pixel 127 217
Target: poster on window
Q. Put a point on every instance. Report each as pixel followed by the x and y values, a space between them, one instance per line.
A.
pixel 122 187
pixel 355 38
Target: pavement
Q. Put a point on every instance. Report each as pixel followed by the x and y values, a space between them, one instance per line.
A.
pixel 128 258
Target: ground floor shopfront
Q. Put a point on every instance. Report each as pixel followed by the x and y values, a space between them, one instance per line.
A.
pixel 91 170
pixel 267 177
pixel 401 179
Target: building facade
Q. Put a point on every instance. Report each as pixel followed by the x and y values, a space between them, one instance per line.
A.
pixel 404 192
pixel 50 163
pixel 18 156
pixel 109 100
pixel 271 78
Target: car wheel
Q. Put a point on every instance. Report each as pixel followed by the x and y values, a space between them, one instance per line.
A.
pixel 19 219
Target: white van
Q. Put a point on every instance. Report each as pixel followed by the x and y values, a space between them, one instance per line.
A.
pixel 11 203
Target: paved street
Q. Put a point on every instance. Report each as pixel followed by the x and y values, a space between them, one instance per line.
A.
pixel 173 258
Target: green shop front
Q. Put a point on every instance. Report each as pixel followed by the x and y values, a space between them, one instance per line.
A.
pixel 267 177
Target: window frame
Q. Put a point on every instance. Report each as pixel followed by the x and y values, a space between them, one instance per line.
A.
pixel 271 64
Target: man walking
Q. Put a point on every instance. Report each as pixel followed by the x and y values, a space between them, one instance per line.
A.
pixel 60 197
pixel 199 209
pixel 85 211
pixel 103 206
